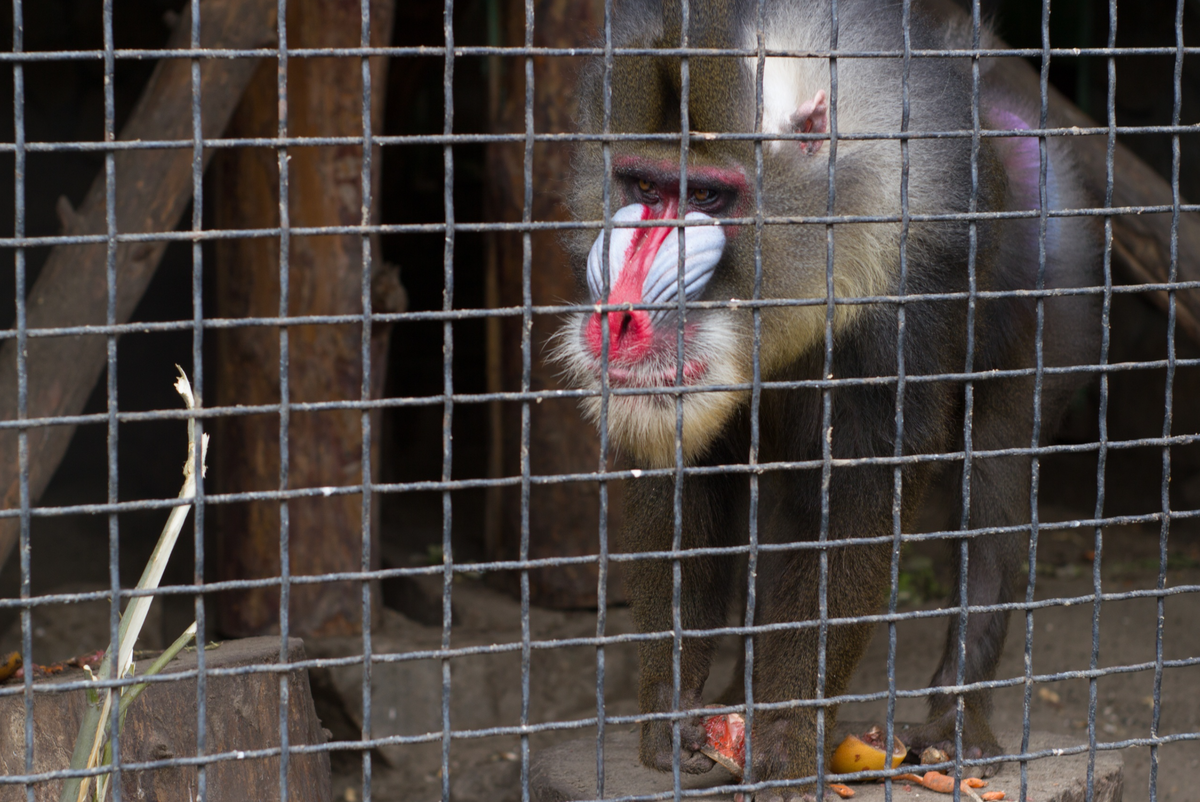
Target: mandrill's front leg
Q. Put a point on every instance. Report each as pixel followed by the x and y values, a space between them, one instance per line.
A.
pixel 708 518
pixel 784 743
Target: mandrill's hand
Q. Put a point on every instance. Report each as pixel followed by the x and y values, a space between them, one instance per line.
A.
pixel 657 751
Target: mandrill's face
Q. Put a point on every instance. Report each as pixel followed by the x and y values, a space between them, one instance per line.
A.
pixel 642 345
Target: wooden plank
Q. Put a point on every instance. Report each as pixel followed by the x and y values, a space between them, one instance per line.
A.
pixel 153 189
pixel 1141 242
pixel 324 98
pixel 564 519
pixel 242 713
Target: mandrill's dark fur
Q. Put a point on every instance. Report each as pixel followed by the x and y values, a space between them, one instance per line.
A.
pixel 867 257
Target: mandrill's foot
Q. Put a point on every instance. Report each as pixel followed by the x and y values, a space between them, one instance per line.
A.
pixel 657 751
pixel 977 738
pixel 784 747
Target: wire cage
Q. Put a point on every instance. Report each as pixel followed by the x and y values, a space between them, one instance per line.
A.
pixel 361 227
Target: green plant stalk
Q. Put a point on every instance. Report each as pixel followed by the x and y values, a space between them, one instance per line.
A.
pixel 91 732
pixel 134 691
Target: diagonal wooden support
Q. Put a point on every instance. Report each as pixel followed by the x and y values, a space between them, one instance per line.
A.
pixel 153 188
pixel 1141 242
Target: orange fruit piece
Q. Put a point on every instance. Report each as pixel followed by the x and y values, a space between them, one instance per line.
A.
pixel 865 753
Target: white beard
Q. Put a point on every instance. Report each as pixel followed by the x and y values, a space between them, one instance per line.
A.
pixel 644 426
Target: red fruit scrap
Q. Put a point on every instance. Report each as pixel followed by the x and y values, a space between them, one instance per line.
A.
pixel 873 737
pixel 727 737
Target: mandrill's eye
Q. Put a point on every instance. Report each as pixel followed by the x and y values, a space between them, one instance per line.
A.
pixel 645 191
pixel 705 199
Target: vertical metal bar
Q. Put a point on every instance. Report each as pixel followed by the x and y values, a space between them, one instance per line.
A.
pixel 1035 435
pixel 198 392
pixel 827 406
pixel 19 166
pixel 110 318
pixel 752 458
pixel 526 382
pixel 447 377
pixel 602 466
pixel 1102 436
pixel 285 240
pixel 898 449
pixel 969 405
pixel 1168 405
pixel 677 517
pixel 285 360
pixel 368 200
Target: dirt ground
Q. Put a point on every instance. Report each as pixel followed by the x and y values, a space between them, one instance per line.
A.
pixel 1059 641
pixel 563 690
pixel 487 689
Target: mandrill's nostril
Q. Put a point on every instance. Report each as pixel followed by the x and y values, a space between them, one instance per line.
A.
pixel 630 335
pixel 626 319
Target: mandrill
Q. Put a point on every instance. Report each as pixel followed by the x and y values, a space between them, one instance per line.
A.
pixel 879 267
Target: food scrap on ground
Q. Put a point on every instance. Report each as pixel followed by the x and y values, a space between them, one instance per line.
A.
pixel 931 755
pixel 726 741
pixel 726 745
pixel 87 659
pixel 11 664
pixel 944 784
pixel 79 661
pixel 865 753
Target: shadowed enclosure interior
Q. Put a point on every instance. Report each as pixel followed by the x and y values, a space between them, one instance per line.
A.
pixel 351 225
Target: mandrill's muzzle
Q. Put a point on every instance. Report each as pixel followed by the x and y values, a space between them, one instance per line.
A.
pixel 643 268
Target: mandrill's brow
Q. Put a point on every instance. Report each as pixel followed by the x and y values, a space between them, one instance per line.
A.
pixel 665 174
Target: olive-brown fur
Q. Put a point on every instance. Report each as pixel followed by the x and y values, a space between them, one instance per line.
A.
pixel 938 336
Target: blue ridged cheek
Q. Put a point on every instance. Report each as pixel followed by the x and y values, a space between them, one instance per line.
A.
pixel 704 247
pixel 622 239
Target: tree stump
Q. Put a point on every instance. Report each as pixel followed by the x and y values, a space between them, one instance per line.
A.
pixel 242 714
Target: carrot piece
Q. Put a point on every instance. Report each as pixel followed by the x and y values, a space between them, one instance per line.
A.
pixel 943 783
pixel 992 796
pixel 915 778
pixel 938 782
pixel 844 791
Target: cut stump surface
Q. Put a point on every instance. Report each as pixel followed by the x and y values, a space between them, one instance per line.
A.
pixel 243 716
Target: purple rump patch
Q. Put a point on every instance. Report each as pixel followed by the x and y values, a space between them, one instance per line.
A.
pixel 1022 160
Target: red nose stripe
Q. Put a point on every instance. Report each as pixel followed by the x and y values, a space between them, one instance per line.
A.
pixel 643 249
pixel 630 334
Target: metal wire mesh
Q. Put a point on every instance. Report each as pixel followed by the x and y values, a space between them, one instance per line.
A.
pixel 452 401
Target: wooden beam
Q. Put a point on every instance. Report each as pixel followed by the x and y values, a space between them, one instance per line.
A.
pixel 564 519
pixel 324 273
pixel 153 188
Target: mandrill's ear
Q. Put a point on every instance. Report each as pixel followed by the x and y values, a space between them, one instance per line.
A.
pixel 812 118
